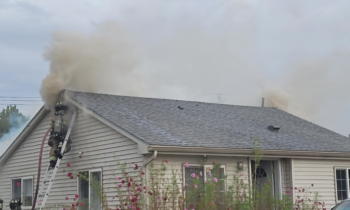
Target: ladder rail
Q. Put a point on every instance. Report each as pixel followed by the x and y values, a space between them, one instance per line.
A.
pixel 44 181
pixel 58 162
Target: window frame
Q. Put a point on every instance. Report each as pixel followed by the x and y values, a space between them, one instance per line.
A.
pixel 22 186
pixel 101 183
pixel 204 173
pixel 347 182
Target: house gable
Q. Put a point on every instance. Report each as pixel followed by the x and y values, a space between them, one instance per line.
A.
pixel 101 146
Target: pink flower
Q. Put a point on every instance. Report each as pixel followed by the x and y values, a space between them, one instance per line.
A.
pixel 268 183
pixel 18 184
pixel 166 161
pixel 76 196
pixel 67 198
pixel 68 165
pixel 69 174
pixel 37 202
pixel 195 186
pixel 193 175
pixel 120 186
pixel 143 173
pixel 215 179
pixel 197 177
pixel 73 205
pixel 288 192
pixel 187 164
pixel 119 178
pixel 200 173
pixel 81 204
pixel 213 163
pixel 136 167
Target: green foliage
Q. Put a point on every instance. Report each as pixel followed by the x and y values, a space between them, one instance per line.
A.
pixel 10 118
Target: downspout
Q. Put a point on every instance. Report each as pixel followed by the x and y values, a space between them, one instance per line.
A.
pixel 146 162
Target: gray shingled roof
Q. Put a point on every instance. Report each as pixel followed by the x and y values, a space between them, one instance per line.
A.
pixel 161 122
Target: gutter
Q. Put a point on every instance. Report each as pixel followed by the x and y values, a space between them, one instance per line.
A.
pixel 146 162
pixel 247 152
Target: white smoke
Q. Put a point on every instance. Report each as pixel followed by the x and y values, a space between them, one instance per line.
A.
pixel 17 125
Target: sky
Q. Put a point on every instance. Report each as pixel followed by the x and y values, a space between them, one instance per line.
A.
pixel 219 51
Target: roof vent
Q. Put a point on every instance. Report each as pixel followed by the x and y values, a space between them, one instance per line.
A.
pixel 273 128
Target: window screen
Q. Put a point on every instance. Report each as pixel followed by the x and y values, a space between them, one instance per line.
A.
pixel 27 192
pixel 84 189
pixel 189 181
pixel 341 184
pixel 16 188
pixel 95 190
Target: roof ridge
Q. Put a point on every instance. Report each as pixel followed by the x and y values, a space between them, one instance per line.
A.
pixel 202 102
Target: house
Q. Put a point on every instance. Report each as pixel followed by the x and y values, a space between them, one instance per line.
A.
pixel 296 153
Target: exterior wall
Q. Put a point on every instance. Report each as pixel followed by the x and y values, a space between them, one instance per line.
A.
pixel 321 174
pixel 102 147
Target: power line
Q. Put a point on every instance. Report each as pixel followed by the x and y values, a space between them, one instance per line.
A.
pixel 22 104
pixel 19 100
pixel 19 97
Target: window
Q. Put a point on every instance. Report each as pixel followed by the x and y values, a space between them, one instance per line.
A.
pixel 342 178
pixel 23 188
pixel 207 172
pixel 90 188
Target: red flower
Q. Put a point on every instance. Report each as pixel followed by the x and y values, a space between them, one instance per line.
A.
pixel 130 179
pixel 166 161
pixel 73 205
pixel 129 185
pixel 81 204
pixel 143 173
pixel 288 192
pixel 68 165
pixel 18 184
pixel 67 198
pixel 136 167
pixel 268 183
pixel 76 196
pixel 123 181
pixel 69 174
pixel 213 163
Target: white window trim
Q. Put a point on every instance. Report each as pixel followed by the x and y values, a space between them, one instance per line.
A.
pixel 24 178
pixel 78 182
pixel 347 182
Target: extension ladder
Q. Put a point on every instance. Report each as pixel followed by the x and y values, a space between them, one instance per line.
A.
pixel 50 181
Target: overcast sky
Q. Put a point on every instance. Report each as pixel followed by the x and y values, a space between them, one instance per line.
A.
pixel 280 35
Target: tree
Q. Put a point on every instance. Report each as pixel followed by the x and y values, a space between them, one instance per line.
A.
pixel 11 118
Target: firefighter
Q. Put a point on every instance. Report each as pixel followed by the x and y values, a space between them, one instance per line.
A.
pixel 59 127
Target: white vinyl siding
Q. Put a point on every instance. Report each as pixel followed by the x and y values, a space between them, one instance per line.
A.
pixel 102 147
pixel 320 173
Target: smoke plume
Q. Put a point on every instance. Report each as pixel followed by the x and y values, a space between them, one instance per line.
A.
pixel 191 60
pixel 17 124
